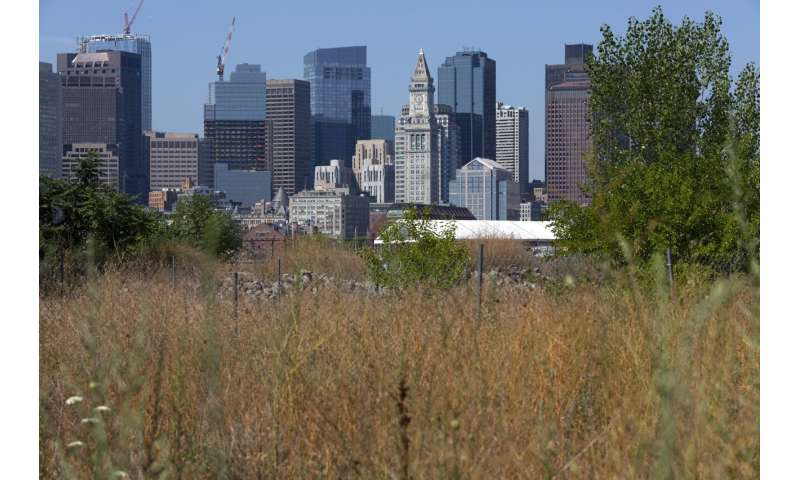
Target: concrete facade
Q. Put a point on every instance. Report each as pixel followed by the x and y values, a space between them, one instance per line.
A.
pixel 288 132
pixel 512 141
pixel 330 213
pixel 567 128
pixel 173 158
pixel 108 161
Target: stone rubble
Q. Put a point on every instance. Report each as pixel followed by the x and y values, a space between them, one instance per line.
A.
pixel 258 288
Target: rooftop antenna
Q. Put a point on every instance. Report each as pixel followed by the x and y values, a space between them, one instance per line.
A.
pixel 225 49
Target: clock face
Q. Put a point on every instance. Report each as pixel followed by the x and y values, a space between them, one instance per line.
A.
pixel 417 98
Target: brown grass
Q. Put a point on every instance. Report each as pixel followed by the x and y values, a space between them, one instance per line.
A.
pixel 594 383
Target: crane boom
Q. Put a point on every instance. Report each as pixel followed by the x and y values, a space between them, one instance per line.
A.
pixel 126 28
pixel 225 49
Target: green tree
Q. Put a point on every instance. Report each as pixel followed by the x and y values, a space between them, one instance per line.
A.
pixel 73 212
pixel 674 158
pixel 197 223
pixel 414 253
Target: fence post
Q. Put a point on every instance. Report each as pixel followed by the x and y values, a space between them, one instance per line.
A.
pixel 236 303
pixel 61 271
pixel 669 266
pixel 279 277
pixel 480 279
pixel 172 273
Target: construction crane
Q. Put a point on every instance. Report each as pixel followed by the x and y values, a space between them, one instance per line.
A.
pixel 225 49
pixel 126 27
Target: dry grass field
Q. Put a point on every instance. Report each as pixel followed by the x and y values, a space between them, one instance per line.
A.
pixel 615 380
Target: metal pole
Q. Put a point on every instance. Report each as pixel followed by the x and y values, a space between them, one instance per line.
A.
pixel 236 303
pixel 669 266
pixel 279 276
pixel 480 279
pixel 61 270
pixel 172 273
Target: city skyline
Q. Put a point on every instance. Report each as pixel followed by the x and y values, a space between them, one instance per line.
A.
pixel 531 37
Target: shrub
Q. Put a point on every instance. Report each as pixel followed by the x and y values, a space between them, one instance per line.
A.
pixel 414 253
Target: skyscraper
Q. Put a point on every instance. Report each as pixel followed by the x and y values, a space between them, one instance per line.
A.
pixel 383 127
pixel 424 143
pixel 173 158
pixel 449 148
pixel 373 167
pixel 486 189
pixel 512 141
pixel 289 134
pixel 467 83
pixel 134 43
pixel 50 119
pixel 567 128
pixel 102 104
pixel 340 100
pixel 234 118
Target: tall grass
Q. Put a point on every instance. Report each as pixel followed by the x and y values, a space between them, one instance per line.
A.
pixel 620 381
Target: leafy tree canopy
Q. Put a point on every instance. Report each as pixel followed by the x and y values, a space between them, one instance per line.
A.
pixel 675 149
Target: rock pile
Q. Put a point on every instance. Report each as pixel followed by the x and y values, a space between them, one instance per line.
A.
pixel 259 288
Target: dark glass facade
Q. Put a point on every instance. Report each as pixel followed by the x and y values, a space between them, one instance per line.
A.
pixel 467 83
pixel 340 83
pixel 134 43
pixel 102 95
pixel 383 127
pixel 332 140
pixel 234 119
pixel 50 118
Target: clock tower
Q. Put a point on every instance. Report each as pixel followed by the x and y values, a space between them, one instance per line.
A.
pixel 421 89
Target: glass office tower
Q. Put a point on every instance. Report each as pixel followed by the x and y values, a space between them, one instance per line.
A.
pixel 234 119
pixel 340 94
pixel 133 43
pixel 467 83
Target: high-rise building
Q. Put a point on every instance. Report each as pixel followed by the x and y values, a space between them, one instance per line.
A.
pixel 373 166
pixel 205 165
pixel 133 43
pixel 234 118
pixel 383 127
pixel 449 148
pixel 245 187
pixel 426 143
pixel 340 100
pixel 288 131
pixel 332 213
pixel 512 141
pixel 334 177
pixel 108 161
pixel 487 190
pixel 173 158
pixel 417 142
pixel 467 83
pixel 102 104
pixel 567 127
pixel 50 120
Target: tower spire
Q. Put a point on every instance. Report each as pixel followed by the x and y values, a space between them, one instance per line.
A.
pixel 421 72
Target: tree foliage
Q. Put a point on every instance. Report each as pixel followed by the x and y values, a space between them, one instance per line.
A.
pixel 90 220
pixel 197 223
pixel 415 253
pixel 71 214
pixel 675 152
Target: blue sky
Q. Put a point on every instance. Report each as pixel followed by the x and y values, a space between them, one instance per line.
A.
pixel 522 36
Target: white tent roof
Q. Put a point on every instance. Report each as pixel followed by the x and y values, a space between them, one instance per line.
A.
pixel 511 229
